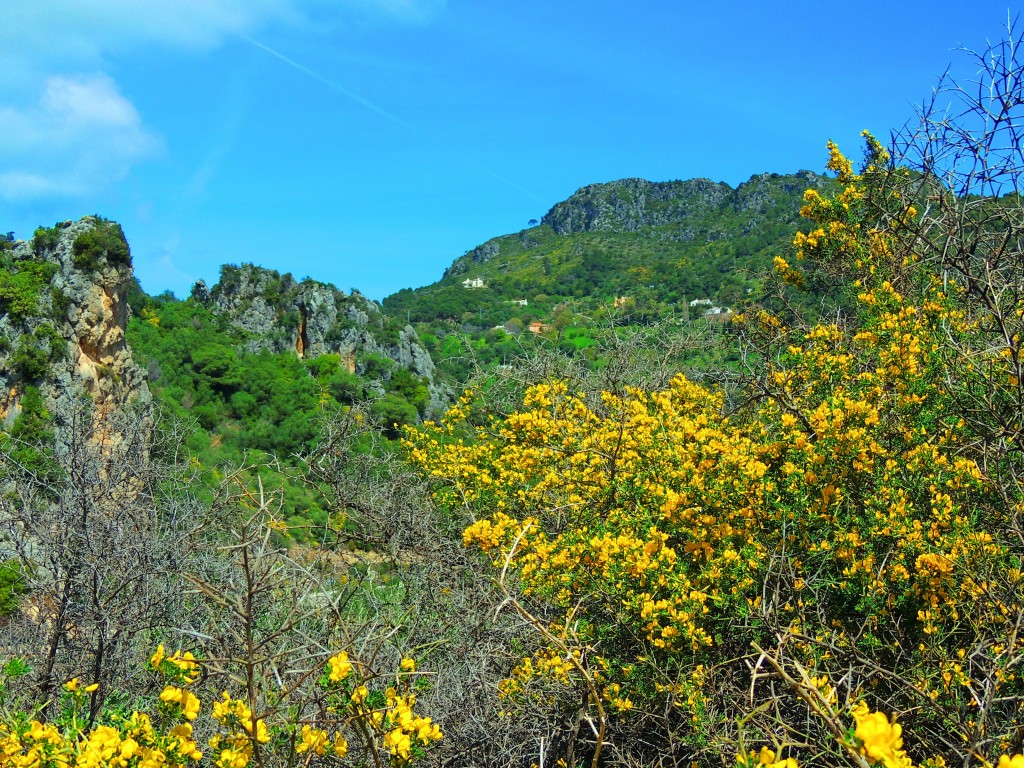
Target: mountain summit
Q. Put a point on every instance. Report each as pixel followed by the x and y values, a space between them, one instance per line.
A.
pixel 659 242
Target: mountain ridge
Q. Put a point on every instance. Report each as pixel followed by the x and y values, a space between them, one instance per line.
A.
pixel 659 241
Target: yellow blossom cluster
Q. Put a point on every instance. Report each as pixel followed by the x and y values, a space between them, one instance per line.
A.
pixel 182 666
pixel 880 741
pixel 404 729
pixel 188 702
pixel 386 716
pixel 318 742
pixel 765 758
pixel 119 743
pixel 384 721
pixel 874 738
pixel 237 734
pixel 845 503
pixel 339 667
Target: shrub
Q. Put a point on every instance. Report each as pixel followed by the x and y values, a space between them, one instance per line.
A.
pixel 13 586
pixel 693 569
pixel 20 286
pixel 46 238
pixel 103 244
pixel 357 711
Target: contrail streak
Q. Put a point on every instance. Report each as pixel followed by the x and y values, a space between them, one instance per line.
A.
pixel 337 87
pixel 379 110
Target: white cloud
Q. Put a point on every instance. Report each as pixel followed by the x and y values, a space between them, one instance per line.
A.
pixel 66 134
pixel 87 28
pixel 80 135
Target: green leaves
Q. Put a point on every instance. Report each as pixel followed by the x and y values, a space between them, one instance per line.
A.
pixel 105 242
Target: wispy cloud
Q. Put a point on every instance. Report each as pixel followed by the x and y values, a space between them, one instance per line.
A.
pixel 336 86
pixel 79 135
pixel 67 129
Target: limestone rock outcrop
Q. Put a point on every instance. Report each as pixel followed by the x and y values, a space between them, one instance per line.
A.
pixel 276 313
pixel 73 341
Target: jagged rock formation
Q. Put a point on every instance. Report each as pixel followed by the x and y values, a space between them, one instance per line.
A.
pixel 276 313
pixel 629 204
pixel 63 313
pixel 679 211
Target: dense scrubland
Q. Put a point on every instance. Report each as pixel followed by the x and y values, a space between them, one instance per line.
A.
pixel 804 550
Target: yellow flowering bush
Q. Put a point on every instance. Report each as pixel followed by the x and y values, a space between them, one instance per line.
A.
pixel 838 517
pixel 384 717
pixel 382 721
pixel 119 741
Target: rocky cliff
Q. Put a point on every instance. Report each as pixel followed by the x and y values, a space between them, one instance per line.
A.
pixel 63 313
pixel 696 210
pixel 275 313
pixel 629 204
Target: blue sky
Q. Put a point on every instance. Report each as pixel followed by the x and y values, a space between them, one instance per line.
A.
pixel 368 143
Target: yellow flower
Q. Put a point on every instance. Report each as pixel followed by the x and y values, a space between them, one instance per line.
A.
pixel 40 732
pixel 427 731
pixel 71 685
pixel 408 665
pixel 340 667
pixel 232 758
pixel 399 743
pixel 189 702
pixel 881 741
pixel 152 758
pixel 312 740
pixel 157 657
pixel 340 746
pixel 129 748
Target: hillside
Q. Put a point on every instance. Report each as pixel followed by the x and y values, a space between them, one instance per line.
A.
pixel 63 311
pixel 806 551
pixel 657 243
pixel 248 366
pixel 254 360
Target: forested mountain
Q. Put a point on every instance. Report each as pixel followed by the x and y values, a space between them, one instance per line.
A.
pixel 253 356
pixel 659 244
pixel 252 362
pixel 256 359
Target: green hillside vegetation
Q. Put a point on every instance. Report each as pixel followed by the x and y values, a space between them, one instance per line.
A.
pixel 789 538
pixel 259 406
pixel 709 241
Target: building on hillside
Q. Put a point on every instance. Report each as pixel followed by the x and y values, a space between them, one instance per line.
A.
pixel 538 327
pixel 520 302
pixel 700 303
pixel 473 282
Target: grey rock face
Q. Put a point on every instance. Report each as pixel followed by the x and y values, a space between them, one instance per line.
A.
pixel 678 211
pixel 485 252
pixel 629 204
pixel 85 305
pixel 277 314
pixel 765 190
